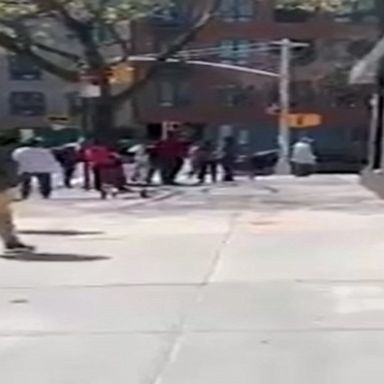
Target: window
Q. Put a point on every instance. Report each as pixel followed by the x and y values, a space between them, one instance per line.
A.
pixel 174 13
pixel 22 68
pixel 103 34
pixel 235 51
pixel 237 10
pixel 302 93
pixel 345 51
pixel 356 11
pixel 27 104
pixel 173 93
pixel 290 12
pixel 74 103
pixel 233 95
pixel 304 55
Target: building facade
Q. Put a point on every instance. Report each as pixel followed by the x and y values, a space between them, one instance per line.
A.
pixel 38 103
pixel 216 102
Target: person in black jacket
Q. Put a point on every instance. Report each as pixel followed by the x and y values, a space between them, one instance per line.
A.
pixel 228 159
pixel 8 180
pixel 68 157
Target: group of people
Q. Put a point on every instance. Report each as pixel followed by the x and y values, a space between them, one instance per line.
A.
pixel 206 159
pixel 119 165
pixel 20 164
pixel 166 157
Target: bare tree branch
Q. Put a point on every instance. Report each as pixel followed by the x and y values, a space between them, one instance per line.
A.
pixel 12 45
pixel 171 50
pixel 56 51
pixel 120 41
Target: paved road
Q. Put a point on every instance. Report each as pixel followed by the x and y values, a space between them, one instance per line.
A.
pixel 276 282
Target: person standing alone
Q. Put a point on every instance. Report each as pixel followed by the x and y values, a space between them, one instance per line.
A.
pixel 303 158
pixel 8 180
pixel 35 161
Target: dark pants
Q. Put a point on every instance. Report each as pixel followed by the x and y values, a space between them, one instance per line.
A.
pixel 44 180
pixel 113 175
pixel 207 167
pixel 228 167
pixel 96 178
pixel 302 170
pixel 178 165
pixel 169 169
pixel 68 173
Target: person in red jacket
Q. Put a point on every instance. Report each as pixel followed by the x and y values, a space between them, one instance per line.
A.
pixel 107 167
pixel 98 157
pixel 171 152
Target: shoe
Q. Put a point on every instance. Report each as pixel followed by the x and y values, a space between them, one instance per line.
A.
pixel 19 247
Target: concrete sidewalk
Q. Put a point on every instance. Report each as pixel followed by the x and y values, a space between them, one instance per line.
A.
pixel 277 281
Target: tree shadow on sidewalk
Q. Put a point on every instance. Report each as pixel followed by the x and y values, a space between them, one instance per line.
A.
pixel 53 257
pixel 64 232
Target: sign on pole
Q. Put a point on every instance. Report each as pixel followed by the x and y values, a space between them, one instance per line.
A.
pixel 122 74
pixel 304 120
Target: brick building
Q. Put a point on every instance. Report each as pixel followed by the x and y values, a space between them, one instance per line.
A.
pixel 215 102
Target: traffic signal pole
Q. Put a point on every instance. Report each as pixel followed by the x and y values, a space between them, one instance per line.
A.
pixel 283 166
pixel 284 76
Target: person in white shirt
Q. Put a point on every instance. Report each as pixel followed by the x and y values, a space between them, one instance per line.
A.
pixel 35 161
pixel 303 158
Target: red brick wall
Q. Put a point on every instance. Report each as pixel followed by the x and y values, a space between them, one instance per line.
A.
pixel 205 108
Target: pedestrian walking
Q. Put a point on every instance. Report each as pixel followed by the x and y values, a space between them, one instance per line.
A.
pixel 171 152
pixel 68 158
pixel 228 159
pixel 107 168
pixel 154 163
pixel 303 158
pixel 193 158
pixel 98 157
pixel 8 180
pixel 206 162
pixel 142 164
pixel 35 161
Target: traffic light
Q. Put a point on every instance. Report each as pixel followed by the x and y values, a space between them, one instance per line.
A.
pixel 122 74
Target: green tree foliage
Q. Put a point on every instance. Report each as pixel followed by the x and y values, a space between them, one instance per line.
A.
pixel 312 5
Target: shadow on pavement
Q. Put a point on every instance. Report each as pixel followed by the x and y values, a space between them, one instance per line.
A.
pixel 53 257
pixel 48 232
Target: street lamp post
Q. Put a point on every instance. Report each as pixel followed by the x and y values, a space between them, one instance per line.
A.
pixel 284 76
pixel 283 166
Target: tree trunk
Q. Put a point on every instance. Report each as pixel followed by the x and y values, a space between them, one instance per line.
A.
pixel 103 114
pixel 103 119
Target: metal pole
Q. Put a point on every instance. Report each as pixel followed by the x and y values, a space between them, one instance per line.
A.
pixel 86 128
pixel 283 166
pixel 375 106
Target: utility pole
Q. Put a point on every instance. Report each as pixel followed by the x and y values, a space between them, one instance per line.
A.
pixel 283 166
pixel 286 46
